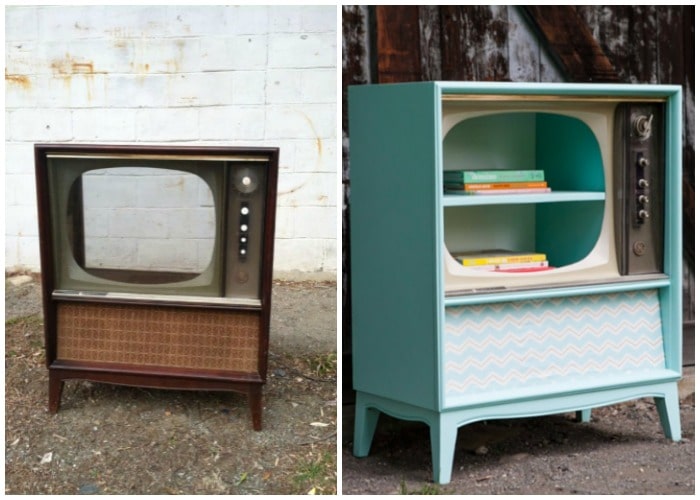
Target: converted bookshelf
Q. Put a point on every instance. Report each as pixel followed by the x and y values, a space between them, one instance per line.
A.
pixel 446 340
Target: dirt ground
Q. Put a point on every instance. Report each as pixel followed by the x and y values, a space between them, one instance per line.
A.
pixel 622 450
pixel 121 440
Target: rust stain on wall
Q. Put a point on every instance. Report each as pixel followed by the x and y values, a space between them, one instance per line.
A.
pixel 141 68
pixel 70 66
pixel 22 81
pixel 319 141
pixel 83 68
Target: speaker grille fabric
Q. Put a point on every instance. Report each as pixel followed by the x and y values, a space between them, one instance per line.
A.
pixel 165 336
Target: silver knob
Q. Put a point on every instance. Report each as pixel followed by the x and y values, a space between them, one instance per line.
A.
pixel 643 183
pixel 643 199
pixel 642 126
pixel 643 214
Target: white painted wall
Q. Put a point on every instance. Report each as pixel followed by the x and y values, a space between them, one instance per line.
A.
pixel 204 75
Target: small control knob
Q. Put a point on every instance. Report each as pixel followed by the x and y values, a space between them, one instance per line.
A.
pixel 642 126
pixel 245 210
pixel 243 251
pixel 643 183
pixel 246 180
pixel 244 227
pixel 643 199
pixel 643 214
pixel 643 162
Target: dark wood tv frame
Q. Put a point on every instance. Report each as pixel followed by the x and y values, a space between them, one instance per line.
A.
pixel 135 374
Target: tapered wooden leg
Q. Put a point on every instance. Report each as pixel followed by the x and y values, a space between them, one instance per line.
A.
pixel 669 412
pixel 583 415
pixel 255 403
pixel 443 438
pixel 55 390
pixel 365 425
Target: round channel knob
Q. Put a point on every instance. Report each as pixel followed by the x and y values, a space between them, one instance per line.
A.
pixel 245 180
pixel 642 126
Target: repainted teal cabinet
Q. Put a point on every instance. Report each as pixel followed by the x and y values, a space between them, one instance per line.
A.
pixel 448 345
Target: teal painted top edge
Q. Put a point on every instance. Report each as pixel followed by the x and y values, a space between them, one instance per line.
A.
pixel 538 88
pixel 637 90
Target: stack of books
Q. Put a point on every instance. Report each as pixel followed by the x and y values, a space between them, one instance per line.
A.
pixel 487 182
pixel 503 261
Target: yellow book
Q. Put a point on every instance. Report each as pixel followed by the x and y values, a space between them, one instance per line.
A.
pixel 493 257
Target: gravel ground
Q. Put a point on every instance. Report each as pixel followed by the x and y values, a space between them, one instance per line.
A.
pixel 622 450
pixel 122 440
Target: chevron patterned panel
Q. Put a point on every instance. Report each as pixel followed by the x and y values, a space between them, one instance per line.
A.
pixel 521 344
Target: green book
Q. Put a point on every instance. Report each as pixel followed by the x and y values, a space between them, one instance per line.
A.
pixel 466 176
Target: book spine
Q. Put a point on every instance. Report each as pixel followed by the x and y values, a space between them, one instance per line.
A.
pixel 503 259
pixel 507 191
pixel 527 269
pixel 467 176
pixel 496 185
pixel 513 266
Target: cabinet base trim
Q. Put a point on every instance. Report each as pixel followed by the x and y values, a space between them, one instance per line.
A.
pixel 444 425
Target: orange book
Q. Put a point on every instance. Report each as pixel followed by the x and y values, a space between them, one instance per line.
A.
pixel 496 185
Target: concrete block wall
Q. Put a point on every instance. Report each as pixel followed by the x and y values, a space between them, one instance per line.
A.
pixel 148 219
pixel 216 75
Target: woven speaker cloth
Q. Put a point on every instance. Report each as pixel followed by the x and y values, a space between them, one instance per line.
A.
pixel 197 338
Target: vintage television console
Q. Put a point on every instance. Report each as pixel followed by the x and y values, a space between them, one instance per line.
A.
pixel 596 317
pixel 157 265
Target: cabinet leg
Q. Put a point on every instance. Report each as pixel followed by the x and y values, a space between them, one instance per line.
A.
pixel 255 403
pixel 583 415
pixel 55 390
pixel 365 425
pixel 443 438
pixel 669 412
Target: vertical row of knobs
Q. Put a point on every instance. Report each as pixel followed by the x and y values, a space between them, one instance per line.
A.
pixel 243 230
pixel 642 128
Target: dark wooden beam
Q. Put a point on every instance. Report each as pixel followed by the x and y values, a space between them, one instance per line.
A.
pixel 398 43
pixel 571 43
pixel 474 42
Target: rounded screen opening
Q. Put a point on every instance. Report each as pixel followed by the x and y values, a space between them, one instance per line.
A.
pixel 141 225
pixel 574 233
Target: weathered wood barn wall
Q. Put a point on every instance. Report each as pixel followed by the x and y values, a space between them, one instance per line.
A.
pixel 630 44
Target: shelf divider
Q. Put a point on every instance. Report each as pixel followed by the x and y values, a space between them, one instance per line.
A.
pixel 503 294
pixel 464 200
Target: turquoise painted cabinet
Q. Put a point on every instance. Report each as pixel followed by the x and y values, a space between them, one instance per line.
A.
pixel 438 342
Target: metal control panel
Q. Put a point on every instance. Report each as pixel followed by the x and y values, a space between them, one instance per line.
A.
pixel 639 187
pixel 246 216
